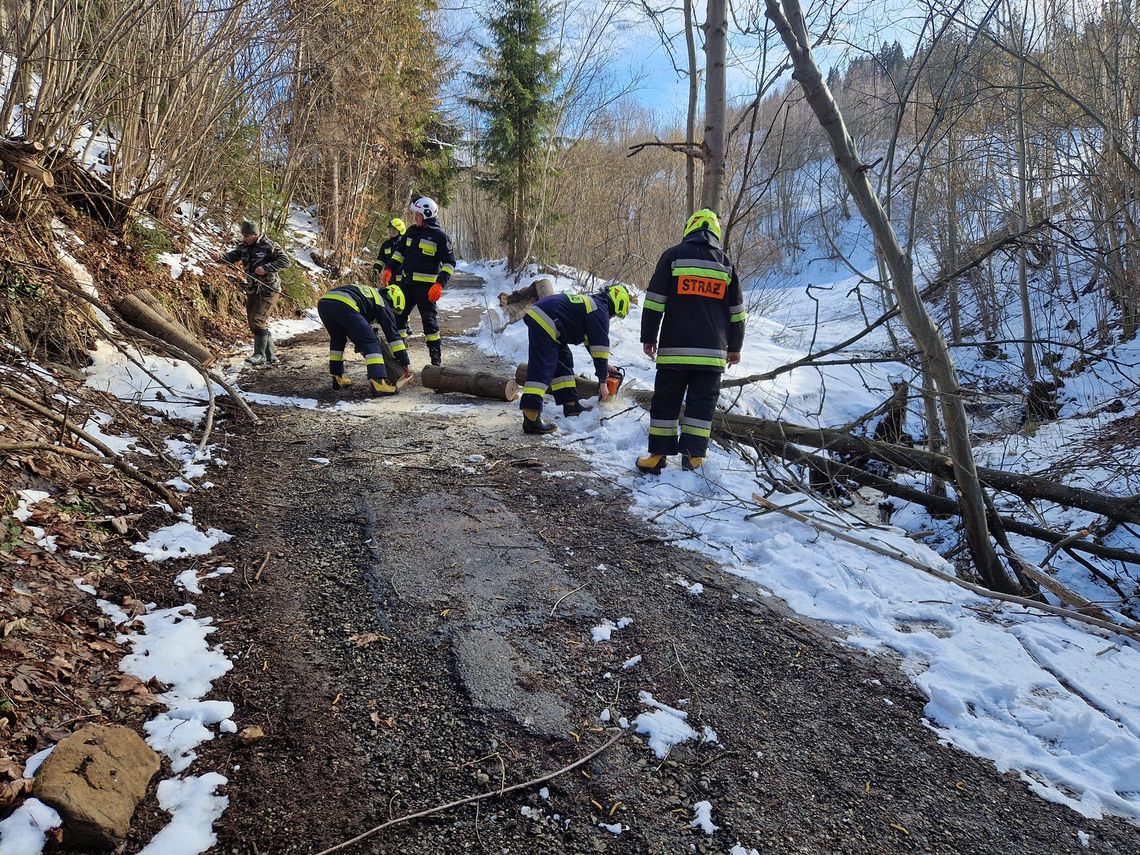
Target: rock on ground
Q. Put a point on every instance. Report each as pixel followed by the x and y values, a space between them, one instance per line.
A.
pixel 95 779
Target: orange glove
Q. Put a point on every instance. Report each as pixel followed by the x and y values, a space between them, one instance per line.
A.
pixel 435 292
pixel 386 276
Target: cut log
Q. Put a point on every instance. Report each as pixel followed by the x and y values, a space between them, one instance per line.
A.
pixel 142 315
pixel 395 369
pixel 1124 508
pixel 18 157
pixel 482 384
pixel 516 303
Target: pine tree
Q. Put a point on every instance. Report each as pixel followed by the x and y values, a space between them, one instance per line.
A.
pixel 513 94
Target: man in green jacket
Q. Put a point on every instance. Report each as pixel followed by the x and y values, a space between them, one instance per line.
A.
pixel 262 260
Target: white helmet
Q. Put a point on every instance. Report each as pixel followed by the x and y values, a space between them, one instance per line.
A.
pixel 425 207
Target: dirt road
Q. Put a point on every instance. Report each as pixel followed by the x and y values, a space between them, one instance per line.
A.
pixel 422 632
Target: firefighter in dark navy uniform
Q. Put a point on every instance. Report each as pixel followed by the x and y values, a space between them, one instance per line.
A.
pixel 262 260
pixel 692 321
pixel 348 313
pixel 553 324
pixel 422 263
pixel 396 229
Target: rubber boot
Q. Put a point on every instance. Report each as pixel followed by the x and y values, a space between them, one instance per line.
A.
pixel 690 463
pixel 382 388
pixel 434 352
pixel 534 424
pixel 270 350
pixel 651 464
pixel 575 408
pixel 340 381
pixel 258 356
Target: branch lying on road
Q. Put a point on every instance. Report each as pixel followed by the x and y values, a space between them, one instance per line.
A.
pixel 470 799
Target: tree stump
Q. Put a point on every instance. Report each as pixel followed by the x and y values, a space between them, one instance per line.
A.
pixel 482 384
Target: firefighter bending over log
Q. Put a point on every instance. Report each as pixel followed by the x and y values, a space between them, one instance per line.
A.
pixel 553 324
pixel 348 314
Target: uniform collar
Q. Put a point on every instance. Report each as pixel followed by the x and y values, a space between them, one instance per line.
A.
pixel 703 236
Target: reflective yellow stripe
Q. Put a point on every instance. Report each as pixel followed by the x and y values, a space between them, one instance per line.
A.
pixel 434 336
pixel 374 359
pixel 652 305
pixel 695 431
pixel 692 360
pixel 398 346
pixel 423 277
pixel 565 384
pixel 348 301
pixel 701 271
pixel 336 357
pixel 448 269
pixel 662 431
pixel 534 389
pixel 543 320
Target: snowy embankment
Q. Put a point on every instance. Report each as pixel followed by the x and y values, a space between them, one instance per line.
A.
pixel 1053 700
pixel 170 645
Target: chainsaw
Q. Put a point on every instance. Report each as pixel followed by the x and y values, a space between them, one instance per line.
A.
pixel 615 379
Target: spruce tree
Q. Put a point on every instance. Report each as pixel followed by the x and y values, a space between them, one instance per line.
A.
pixel 513 93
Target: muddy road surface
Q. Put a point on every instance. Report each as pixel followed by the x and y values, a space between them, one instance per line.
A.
pixel 412 624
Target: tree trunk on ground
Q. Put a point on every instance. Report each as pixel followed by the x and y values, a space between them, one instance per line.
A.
pixel 482 384
pixel 1124 508
pixel 716 98
pixel 142 315
pixel 832 470
pixel 925 332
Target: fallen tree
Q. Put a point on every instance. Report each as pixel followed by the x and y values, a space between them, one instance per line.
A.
pixel 1121 508
pixel 835 471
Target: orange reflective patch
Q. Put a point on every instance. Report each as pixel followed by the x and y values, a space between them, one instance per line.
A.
pixel 698 286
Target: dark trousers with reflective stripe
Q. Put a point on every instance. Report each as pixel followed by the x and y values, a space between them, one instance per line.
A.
pixel 698 390
pixel 549 365
pixel 417 297
pixel 345 324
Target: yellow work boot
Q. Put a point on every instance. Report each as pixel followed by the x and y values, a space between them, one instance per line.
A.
pixel 651 464
pixel 340 381
pixel 689 463
pixel 382 388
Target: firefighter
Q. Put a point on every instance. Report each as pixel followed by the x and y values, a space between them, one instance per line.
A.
pixel 348 313
pixel 262 260
pixel 553 324
pixel 422 263
pixel 396 229
pixel 692 321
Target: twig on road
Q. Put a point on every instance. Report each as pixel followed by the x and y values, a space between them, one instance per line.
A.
pixel 470 799
pixel 563 597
